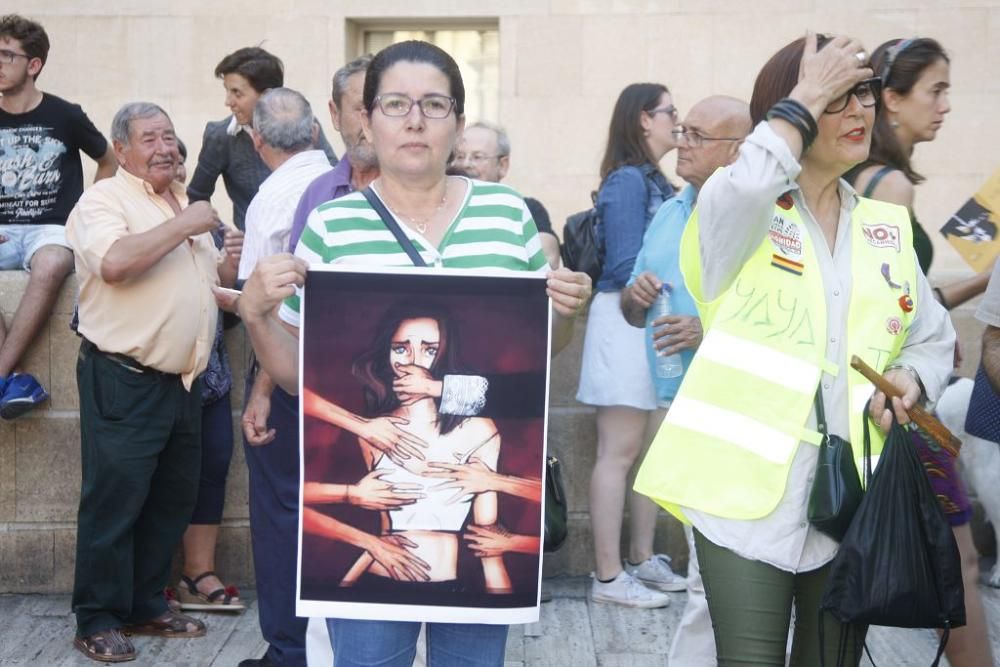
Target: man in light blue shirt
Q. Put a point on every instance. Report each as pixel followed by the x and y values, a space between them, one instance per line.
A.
pixel 709 138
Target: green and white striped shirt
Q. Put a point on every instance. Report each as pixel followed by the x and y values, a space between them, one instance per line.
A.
pixel 493 230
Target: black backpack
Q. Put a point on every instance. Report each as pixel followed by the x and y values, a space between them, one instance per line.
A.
pixel 581 247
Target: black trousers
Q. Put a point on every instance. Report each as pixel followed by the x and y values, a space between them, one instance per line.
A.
pixel 274 526
pixel 216 455
pixel 140 436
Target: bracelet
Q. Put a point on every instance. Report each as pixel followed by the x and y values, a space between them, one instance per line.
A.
pixel 940 297
pixel 798 116
pixel 803 112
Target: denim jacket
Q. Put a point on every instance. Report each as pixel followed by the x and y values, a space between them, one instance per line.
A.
pixel 627 201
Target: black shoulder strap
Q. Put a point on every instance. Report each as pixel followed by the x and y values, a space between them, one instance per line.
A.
pixel 394 227
pixel 820 412
pixel 876 178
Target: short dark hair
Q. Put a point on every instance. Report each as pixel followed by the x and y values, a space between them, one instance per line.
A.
pixel 900 63
pixel 32 36
pixel 263 70
pixel 182 149
pixel 778 77
pixel 626 143
pixel 414 51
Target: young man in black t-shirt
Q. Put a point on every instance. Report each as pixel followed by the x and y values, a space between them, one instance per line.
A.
pixel 41 178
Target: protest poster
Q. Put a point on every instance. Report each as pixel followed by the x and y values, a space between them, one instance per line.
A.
pixel 972 230
pixel 423 395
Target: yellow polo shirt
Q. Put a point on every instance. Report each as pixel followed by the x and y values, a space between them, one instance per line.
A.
pixel 165 318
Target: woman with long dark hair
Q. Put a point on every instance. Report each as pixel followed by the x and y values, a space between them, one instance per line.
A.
pixel 424 336
pixel 614 375
pixel 915 75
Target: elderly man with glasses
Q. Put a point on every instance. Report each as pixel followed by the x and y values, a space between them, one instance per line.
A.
pixel 483 152
pixel 709 138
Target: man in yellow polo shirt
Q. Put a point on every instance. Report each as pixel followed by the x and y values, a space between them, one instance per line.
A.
pixel 146 264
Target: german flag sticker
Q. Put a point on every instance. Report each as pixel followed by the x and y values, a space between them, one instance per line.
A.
pixel 786 264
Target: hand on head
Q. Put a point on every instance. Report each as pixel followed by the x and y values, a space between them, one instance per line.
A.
pixel 826 74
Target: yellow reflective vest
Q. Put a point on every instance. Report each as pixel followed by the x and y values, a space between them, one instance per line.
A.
pixel 727 443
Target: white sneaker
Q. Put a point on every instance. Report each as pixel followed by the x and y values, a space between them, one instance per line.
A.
pixel 656 573
pixel 627 591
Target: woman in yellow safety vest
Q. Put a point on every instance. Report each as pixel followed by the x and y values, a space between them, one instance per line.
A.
pixel 793 274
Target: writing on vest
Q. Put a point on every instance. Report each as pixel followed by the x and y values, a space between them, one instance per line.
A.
pixel 727 443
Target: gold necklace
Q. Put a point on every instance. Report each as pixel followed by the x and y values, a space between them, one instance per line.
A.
pixel 421 224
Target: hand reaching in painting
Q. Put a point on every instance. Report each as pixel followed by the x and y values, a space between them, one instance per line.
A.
pixel 465 478
pixel 415 383
pixel 476 477
pixel 385 435
pixel 374 493
pixel 495 540
pixel 393 553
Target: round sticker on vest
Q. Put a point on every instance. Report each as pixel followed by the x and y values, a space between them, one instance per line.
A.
pixel 786 237
pixel 894 325
pixel 881 236
pixel 906 303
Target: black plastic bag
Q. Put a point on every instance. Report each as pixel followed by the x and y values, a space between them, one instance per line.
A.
pixel 898 565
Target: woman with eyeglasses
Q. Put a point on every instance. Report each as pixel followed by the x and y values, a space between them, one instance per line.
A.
pixel 793 273
pixel 916 80
pixel 415 100
pixel 614 375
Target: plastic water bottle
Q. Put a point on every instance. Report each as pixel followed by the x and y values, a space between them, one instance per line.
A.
pixel 666 366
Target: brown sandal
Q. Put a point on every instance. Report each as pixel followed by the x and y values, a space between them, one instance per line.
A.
pixel 221 599
pixel 169 624
pixel 106 646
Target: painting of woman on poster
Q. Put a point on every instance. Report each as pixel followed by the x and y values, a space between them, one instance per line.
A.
pixel 418 500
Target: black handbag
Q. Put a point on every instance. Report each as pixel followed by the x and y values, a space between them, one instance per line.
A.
pixel 898 565
pixel 556 513
pixel 836 491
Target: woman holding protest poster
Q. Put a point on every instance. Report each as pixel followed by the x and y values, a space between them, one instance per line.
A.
pixel 414 100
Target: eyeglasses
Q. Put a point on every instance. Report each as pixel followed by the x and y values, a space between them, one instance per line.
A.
pixel 670 110
pixel 431 106
pixel 867 92
pixel 7 57
pixel 474 158
pixel 694 139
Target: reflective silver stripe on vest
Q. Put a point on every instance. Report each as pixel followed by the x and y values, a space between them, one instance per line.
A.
pixel 726 349
pixel 733 427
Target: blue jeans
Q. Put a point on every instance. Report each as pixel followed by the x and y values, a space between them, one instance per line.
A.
pixel 394 644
